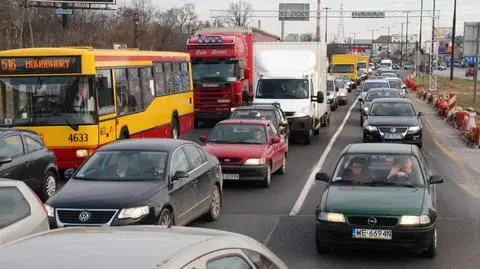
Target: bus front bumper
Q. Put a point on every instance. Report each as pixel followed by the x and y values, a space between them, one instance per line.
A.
pixel 72 157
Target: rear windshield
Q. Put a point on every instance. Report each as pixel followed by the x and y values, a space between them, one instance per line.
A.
pixel 381 94
pixel 261 114
pixel 375 85
pixel 13 206
pixel 395 84
pixel 392 109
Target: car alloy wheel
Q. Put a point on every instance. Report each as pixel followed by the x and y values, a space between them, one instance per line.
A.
pixel 49 185
pixel 166 218
pixel 283 169
pixel 216 205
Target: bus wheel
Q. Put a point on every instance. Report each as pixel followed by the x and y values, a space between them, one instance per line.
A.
pixel 124 134
pixel 175 128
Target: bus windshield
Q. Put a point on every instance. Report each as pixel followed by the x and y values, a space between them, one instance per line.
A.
pixel 214 71
pixel 342 68
pixel 47 100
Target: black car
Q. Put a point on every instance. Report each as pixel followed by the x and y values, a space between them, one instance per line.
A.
pixel 268 111
pixel 140 181
pixel 24 157
pixel 379 197
pixel 375 94
pixel 393 120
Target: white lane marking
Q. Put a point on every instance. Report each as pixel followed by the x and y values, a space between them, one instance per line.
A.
pixel 269 236
pixel 311 179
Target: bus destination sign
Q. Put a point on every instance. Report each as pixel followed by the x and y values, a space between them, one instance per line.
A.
pixel 40 65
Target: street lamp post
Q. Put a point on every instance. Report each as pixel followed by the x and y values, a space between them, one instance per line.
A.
pixel 326 23
pixel 371 50
pixel 453 38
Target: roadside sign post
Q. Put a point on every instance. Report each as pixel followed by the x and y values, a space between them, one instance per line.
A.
pixel 475 74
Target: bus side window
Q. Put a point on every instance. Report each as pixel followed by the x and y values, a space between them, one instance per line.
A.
pixel 159 76
pixel 169 77
pixel 135 95
pixel 121 84
pixel 185 76
pixel 148 86
pixel 177 77
pixel 105 92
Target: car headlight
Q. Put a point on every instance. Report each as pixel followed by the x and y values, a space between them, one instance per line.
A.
pixel 50 210
pixel 371 128
pixel 414 220
pixel 134 212
pixel 255 161
pixel 413 129
pixel 365 108
pixel 331 217
pixel 341 94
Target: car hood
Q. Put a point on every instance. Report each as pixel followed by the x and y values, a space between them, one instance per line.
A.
pixel 374 200
pixel 104 194
pixel 235 150
pixel 392 121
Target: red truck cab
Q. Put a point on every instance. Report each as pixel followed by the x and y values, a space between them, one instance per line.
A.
pixel 222 60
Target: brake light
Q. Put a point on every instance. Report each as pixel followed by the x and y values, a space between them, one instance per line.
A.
pixel 40 202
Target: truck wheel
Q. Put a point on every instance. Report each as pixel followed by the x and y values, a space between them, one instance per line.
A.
pixel 308 137
pixel 361 120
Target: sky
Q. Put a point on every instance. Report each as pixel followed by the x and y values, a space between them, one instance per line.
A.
pixel 467 10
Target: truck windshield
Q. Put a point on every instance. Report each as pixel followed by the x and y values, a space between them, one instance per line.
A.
pixel 342 68
pixel 52 100
pixel 214 71
pixel 282 89
pixel 362 65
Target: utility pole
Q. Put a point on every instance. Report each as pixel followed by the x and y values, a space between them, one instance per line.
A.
pixel 326 23
pixel 475 74
pixel 401 45
pixel 406 39
pixel 135 29
pixel 388 40
pixel 421 24
pixel 452 56
pixel 318 21
pixel 371 50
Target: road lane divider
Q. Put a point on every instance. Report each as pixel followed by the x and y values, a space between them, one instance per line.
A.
pixel 311 179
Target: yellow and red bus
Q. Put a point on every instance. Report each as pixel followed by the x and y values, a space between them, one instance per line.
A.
pixel 80 98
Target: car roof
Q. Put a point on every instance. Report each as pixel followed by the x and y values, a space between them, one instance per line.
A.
pixel 392 78
pixel 378 148
pixel 375 80
pixel 146 144
pixel 382 90
pixel 245 121
pixel 257 107
pixel 6 131
pixel 392 100
pixel 119 247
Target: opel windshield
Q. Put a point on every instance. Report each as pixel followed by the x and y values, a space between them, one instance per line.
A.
pixel 47 100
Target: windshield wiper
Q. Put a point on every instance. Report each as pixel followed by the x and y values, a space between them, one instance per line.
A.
pixel 67 121
pixel 390 183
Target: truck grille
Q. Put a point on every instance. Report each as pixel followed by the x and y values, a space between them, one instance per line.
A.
pixel 72 216
pixel 398 130
pixel 381 221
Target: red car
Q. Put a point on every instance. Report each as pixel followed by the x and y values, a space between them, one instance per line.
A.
pixel 247 149
pixel 470 72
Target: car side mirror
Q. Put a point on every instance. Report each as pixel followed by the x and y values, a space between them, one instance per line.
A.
pixel 420 114
pixel 321 176
pixel 404 86
pixel 275 139
pixel 4 160
pixel 69 173
pixel 203 139
pixel 435 180
pixel 179 175
pixel 320 97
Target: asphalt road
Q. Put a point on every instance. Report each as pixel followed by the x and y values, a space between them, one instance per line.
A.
pixel 264 214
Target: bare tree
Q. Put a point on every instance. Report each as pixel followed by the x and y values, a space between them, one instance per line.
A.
pixel 239 14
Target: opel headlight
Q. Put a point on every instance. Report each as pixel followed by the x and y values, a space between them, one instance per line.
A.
pixel 414 220
pixel 255 161
pixel 50 210
pixel 134 212
pixel 331 217
pixel 371 128
pixel 413 129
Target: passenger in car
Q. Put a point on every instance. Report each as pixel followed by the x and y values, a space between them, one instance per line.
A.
pixel 402 167
pixel 358 171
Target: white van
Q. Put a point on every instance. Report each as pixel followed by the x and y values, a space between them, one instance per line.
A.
pixel 294 75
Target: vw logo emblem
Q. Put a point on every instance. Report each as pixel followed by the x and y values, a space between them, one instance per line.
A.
pixel 372 221
pixel 84 216
pixel 393 130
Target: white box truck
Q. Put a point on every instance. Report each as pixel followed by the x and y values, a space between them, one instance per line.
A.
pixel 294 75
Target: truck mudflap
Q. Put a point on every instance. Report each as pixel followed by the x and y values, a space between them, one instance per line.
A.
pixel 300 125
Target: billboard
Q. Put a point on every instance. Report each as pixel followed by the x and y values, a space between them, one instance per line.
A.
pixel 368 14
pixel 110 2
pixel 470 38
pixel 293 12
pixel 444 37
pixel 398 39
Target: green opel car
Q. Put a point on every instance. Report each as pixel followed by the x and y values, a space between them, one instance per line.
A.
pixel 381 197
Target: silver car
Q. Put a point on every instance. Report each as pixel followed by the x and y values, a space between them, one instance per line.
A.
pixel 139 247
pixel 372 84
pixel 21 212
pixel 342 92
pixel 396 83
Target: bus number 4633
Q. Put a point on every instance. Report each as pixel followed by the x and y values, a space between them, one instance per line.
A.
pixel 78 137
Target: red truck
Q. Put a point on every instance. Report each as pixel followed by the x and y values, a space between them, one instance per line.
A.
pixel 222 65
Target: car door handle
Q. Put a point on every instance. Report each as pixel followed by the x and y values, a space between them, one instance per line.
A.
pixel 195 181
pixel 27 164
